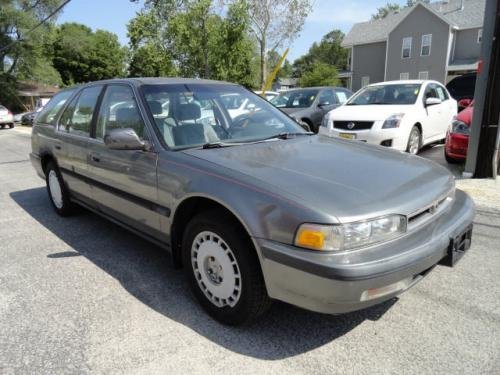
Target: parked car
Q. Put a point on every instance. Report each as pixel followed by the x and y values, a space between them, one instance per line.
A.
pixel 309 105
pixel 462 87
pixel 404 115
pixel 27 118
pixel 253 207
pixel 457 137
pixel 268 95
pixel 6 117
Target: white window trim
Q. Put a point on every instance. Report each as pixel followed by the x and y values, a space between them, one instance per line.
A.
pixel 422 44
pixel 426 73
pixel 479 36
pixel 365 78
pixel 404 76
pixel 403 46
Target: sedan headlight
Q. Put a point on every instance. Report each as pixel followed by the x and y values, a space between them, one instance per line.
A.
pixel 459 127
pixel 393 121
pixel 349 236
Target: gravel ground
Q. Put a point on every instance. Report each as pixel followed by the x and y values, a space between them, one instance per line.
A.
pixel 82 295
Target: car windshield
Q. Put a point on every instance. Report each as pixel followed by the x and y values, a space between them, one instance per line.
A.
pixel 394 94
pixel 193 115
pixel 295 99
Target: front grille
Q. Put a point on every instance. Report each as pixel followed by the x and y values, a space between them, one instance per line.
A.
pixel 430 211
pixel 353 125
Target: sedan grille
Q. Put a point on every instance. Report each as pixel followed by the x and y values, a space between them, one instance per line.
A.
pixel 353 125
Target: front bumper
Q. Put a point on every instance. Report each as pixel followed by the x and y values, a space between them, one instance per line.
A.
pixel 397 137
pixel 335 283
pixel 36 162
pixel 456 145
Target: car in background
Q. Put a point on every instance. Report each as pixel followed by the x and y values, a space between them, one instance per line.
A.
pixel 309 105
pixel 28 118
pixel 457 137
pixel 462 87
pixel 268 95
pixel 6 117
pixel 404 115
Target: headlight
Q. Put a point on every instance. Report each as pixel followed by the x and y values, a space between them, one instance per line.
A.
pixel 351 235
pixel 393 121
pixel 459 127
pixel 324 122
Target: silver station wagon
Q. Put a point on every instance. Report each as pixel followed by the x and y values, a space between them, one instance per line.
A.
pixel 252 206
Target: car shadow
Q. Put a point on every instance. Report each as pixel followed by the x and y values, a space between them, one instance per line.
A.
pixel 145 271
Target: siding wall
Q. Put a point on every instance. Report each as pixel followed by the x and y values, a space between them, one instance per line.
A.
pixel 368 60
pixel 466 45
pixel 419 22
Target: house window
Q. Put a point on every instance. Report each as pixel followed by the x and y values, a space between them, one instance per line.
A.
pixel 426 45
pixel 480 35
pixel 404 76
pixel 406 50
pixel 365 81
pixel 423 75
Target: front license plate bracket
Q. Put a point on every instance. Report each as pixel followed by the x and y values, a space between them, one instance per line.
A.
pixel 457 247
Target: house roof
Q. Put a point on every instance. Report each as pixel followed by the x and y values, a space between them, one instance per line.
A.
pixel 450 11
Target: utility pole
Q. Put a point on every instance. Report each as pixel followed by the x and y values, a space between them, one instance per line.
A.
pixel 483 153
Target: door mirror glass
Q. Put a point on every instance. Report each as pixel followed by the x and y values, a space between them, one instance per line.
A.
pixel 123 139
pixel 432 101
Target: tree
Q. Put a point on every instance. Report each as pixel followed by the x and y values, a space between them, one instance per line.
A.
pixel 80 55
pixel 321 75
pixel 393 7
pixel 329 51
pixel 275 23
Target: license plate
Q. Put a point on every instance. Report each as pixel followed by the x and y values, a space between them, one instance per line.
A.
pixel 457 247
pixel 347 135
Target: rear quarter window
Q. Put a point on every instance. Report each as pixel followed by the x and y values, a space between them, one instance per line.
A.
pixel 48 115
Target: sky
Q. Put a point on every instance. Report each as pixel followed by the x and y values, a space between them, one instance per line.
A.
pixel 113 15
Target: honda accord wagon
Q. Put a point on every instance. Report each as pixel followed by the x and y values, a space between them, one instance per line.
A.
pixel 251 206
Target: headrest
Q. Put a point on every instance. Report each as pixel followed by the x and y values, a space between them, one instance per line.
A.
pixel 190 111
pixel 155 107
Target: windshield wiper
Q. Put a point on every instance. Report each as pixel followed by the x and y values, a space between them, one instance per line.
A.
pixel 285 135
pixel 218 145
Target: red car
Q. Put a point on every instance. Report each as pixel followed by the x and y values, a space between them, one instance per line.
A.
pixel 457 137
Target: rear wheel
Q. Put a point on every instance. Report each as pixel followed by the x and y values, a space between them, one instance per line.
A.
pixel 223 270
pixel 414 141
pixel 11 125
pixel 58 193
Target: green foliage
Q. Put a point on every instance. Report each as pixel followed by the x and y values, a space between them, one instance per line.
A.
pixel 384 11
pixel 328 51
pixel 188 38
pixel 81 55
pixel 321 75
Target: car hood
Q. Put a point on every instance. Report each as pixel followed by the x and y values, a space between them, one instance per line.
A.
pixel 344 179
pixel 366 112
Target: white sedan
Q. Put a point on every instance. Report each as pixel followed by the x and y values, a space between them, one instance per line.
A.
pixel 404 115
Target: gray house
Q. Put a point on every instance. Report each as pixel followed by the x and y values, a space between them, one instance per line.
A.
pixel 427 41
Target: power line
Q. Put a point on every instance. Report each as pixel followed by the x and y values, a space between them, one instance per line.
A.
pixel 63 4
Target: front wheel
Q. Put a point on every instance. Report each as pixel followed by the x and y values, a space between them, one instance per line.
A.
pixel 223 270
pixel 414 141
pixel 11 125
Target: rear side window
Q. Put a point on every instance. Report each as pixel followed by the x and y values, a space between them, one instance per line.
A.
pixel 48 114
pixel 77 117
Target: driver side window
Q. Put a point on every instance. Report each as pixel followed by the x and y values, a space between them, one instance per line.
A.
pixel 327 97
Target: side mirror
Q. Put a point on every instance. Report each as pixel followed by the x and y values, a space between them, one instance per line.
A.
pixel 124 139
pixel 432 101
pixel 464 103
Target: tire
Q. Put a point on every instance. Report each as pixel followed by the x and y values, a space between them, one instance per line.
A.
pixel 451 160
pixel 414 141
pixel 11 125
pixel 57 190
pixel 313 128
pixel 223 270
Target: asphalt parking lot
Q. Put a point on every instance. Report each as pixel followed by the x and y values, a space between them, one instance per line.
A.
pixel 82 295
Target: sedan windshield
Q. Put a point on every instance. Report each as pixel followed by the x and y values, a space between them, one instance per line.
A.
pixel 194 115
pixel 295 99
pixel 394 94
